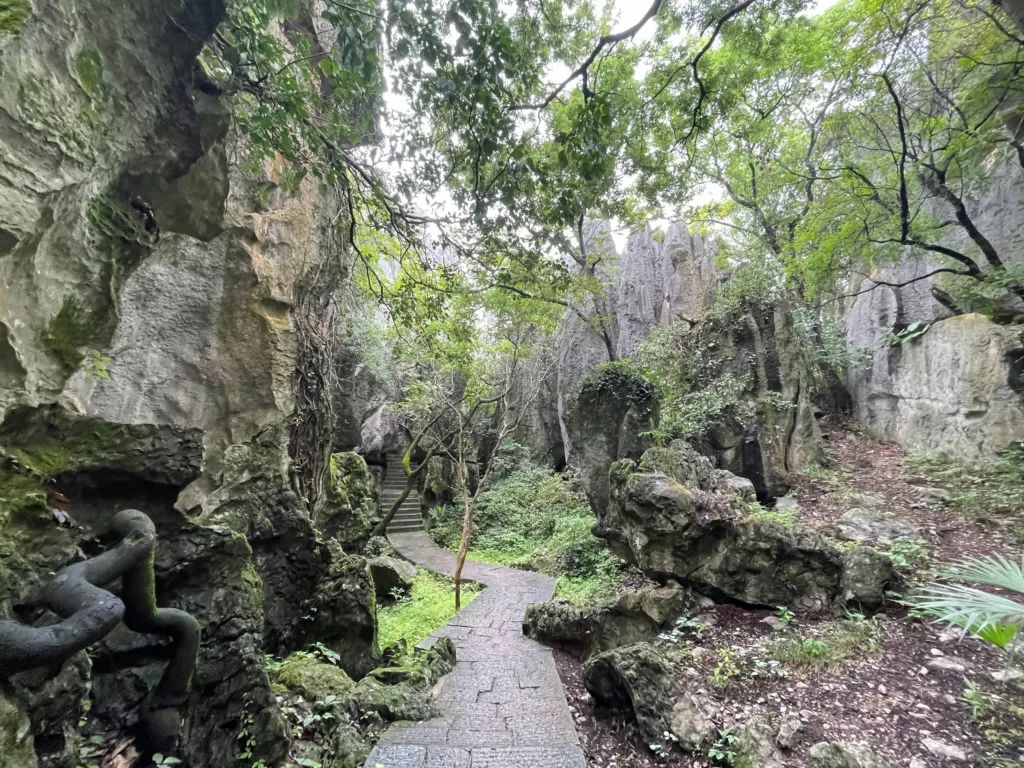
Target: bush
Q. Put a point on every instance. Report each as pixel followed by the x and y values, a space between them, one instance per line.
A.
pixel 538 520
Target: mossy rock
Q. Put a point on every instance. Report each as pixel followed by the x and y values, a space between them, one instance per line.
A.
pixel 305 674
pixel 16 742
pixel 13 15
pixel 393 702
pixel 48 441
pixel 352 507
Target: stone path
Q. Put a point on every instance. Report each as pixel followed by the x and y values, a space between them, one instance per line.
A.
pixel 503 706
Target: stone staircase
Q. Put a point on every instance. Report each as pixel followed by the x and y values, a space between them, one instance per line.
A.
pixel 408 516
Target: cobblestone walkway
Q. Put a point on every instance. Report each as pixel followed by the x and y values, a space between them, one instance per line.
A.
pixel 503 705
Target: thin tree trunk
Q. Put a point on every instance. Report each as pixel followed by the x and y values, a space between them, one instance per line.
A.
pixel 467 529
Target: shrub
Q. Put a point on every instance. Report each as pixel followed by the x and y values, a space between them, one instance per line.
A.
pixel 539 520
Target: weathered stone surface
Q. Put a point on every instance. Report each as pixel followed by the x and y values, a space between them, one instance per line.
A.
pixel 755 746
pixel 16 748
pixel 632 617
pixel 352 506
pixel 604 417
pixel 944 750
pixel 659 277
pixel 671 516
pixel 790 730
pixel 868 526
pixel 845 754
pixel 313 678
pixel 955 388
pixel 636 677
pixel 690 723
pixel 390 573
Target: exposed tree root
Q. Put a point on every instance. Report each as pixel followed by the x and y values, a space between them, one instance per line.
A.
pixel 90 613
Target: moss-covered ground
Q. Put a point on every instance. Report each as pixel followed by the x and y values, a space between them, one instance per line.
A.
pixel 429 606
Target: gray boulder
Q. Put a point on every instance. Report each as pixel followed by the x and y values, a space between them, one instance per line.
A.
pixel 390 573
pixel 676 518
pixel 845 754
pixel 604 416
pixel 633 616
pixel 637 677
pixel 868 526
pixel 689 723
pixel 755 746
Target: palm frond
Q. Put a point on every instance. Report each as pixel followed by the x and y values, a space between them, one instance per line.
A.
pixel 996 571
pixel 967 607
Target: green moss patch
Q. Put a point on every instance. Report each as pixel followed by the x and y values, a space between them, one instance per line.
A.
pixel 89 68
pixel 315 679
pixel 13 15
pixel 429 606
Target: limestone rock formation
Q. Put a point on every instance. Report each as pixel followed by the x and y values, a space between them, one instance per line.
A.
pixel 845 754
pixel 690 723
pixel 636 677
pixel 399 692
pixel 633 616
pixel 755 745
pixel 770 429
pixel 605 416
pixel 352 506
pixel 151 295
pixel 676 517
pixel 389 574
pixel 958 387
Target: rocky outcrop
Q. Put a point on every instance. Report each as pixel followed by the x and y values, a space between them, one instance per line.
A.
pixel 634 616
pixel 605 416
pixel 660 277
pixel 390 574
pixel 676 517
pixel 958 387
pixel 638 678
pixel 352 506
pixel 357 712
pixel 151 315
pixel 764 425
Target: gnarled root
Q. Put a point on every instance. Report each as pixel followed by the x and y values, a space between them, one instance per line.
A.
pixel 90 613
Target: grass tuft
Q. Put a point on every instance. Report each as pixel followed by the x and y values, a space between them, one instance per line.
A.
pixel 838 641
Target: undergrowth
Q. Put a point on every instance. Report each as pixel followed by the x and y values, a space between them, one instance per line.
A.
pixel 538 520
pixel 837 641
pixel 988 490
pixel 429 606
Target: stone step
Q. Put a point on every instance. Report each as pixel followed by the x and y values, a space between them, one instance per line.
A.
pixel 404 527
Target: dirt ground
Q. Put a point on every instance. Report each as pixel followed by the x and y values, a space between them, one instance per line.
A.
pixel 903 683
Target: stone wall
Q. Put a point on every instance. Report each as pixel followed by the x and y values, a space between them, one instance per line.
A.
pixel 959 387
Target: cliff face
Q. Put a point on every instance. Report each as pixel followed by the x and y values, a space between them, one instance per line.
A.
pixel 666 277
pixel 152 304
pixel 959 386
pixel 659 278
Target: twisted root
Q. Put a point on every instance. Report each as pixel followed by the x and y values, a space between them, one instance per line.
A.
pixel 90 613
